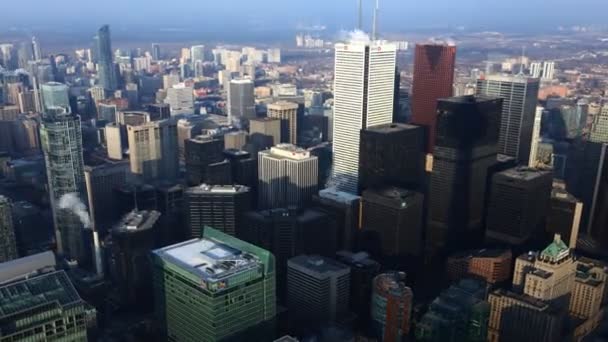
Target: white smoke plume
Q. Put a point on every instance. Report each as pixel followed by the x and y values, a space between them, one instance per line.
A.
pixel 72 202
pixel 355 36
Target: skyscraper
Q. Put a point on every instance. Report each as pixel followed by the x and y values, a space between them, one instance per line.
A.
pixel 392 303
pixel 241 102
pixel 392 154
pixel 364 84
pixel 564 216
pixel 201 152
pixel 395 216
pixel 197 53
pixel 518 205
pixel 180 99
pixel 318 290
pixel 55 94
pixel 467 134
pixel 520 95
pixel 61 139
pixel 433 80
pixel 36 51
pixel 213 288
pixel 153 149
pixel 287 112
pixel 130 244
pixel 218 206
pixel 100 180
pixel 265 132
pixel 105 59
pixel 288 176
pixel 156 55
pixel 548 70
pixel 8 243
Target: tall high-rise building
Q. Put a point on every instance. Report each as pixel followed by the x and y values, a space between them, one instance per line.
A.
pixel 318 290
pixel 490 265
pixel 234 282
pixel 287 112
pixel 433 80
pixel 548 70
pixel 180 98
pixel 520 95
pixel 218 206
pixel 200 153
pixel 114 143
pixel 153 150
pixel 363 96
pixel 460 313
pixel 518 205
pixel 156 54
pixel 344 208
pixel 265 132
pixel 27 101
pixel 36 50
pixel 42 304
pixel 538 118
pixel 598 132
pixel 130 244
pixel 392 304
pixel 392 154
pixel 363 270
pixel 105 59
pixel 61 138
pixel 564 216
pixel 101 180
pixel 241 101
pixel 55 94
pixel 187 128
pixel 395 216
pixel 288 176
pixel 536 69
pixel 467 136
pixel 197 53
pixel 8 243
pixel 170 80
pixel 244 169
pixel 236 140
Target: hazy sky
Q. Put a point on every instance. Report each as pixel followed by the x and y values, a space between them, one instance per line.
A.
pixel 222 15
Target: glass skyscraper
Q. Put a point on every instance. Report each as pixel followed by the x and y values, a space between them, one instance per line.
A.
pixel 107 72
pixel 213 288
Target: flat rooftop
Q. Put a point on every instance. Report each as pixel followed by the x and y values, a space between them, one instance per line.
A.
pixel 218 189
pixel 392 127
pixel 136 221
pixel 338 196
pixel 209 259
pixel 287 151
pixel 318 264
pixel 524 173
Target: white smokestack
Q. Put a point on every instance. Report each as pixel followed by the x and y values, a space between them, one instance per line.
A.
pixel 73 203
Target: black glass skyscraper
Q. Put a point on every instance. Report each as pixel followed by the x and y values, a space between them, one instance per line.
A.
pixel 465 147
pixel 107 71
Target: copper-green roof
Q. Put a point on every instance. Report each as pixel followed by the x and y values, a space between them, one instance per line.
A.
pixel 557 250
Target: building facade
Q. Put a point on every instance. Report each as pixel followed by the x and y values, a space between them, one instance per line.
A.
pixel 153 149
pixel 287 112
pixel 8 242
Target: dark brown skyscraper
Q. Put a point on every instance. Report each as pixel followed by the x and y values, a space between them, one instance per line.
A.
pixel 433 79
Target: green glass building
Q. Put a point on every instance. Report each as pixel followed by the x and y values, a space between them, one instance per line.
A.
pixel 213 288
pixel 43 308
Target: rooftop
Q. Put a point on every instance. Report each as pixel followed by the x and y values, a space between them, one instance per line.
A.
pixel 510 78
pixel 392 283
pixel 136 221
pixel 338 196
pixel 524 173
pixel 483 253
pixel 30 294
pixel 393 127
pixel 218 189
pixel 556 251
pixel 282 105
pixel 318 264
pixel 287 151
pixel 214 258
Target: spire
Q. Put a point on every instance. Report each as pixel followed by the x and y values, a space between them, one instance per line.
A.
pixel 360 18
pixel 521 61
pixel 375 23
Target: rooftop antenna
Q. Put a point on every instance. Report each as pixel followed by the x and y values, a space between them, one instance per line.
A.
pixel 375 23
pixel 360 23
pixel 521 61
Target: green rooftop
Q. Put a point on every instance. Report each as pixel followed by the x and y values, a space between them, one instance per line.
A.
pixel 556 251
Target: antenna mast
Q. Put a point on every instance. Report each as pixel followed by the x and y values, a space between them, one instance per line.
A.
pixel 360 22
pixel 375 23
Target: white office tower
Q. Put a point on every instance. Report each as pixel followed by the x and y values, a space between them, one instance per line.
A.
pixel 535 69
pixel 241 100
pixel 548 70
pixel 55 94
pixel 318 289
pixel 274 55
pixel 288 176
pixel 364 87
pixel 180 99
pixel 153 150
pixel 197 53
pixel 170 80
pixel 535 137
